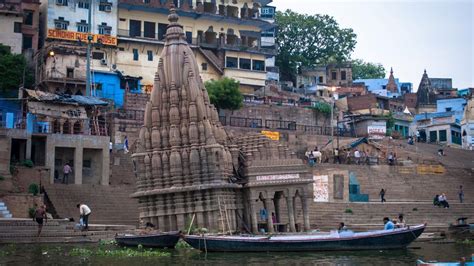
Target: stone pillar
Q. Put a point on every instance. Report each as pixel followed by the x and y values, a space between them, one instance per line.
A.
pixel 305 204
pixel 253 216
pixel 270 209
pixel 77 170
pixel 291 213
pixel 105 166
pixel 28 148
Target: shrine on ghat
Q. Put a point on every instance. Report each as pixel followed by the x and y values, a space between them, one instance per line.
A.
pixel 190 169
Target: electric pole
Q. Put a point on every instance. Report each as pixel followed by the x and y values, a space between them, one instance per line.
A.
pixel 88 53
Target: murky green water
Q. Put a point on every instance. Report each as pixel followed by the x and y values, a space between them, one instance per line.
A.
pixel 49 254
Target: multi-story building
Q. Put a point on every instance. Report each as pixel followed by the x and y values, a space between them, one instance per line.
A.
pixel 226 38
pixel 20 24
pixel 390 87
pixel 61 62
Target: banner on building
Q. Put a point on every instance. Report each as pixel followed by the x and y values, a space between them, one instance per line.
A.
pixel 81 36
pixel 273 135
pixel 377 130
pixel 321 188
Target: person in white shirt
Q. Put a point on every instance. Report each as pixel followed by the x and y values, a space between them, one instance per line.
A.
pixel 357 156
pixel 84 211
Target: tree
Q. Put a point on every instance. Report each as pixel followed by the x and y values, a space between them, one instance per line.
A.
pixel 224 93
pixel 310 40
pixel 367 70
pixel 12 67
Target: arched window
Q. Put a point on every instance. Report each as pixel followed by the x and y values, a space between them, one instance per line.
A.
pixel 56 126
pixel 67 127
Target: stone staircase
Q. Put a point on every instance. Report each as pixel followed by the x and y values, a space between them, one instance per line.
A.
pixel 367 216
pixel 54 231
pixel 109 204
pixel 4 212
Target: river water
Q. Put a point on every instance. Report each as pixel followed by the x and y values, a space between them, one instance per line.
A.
pixel 54 254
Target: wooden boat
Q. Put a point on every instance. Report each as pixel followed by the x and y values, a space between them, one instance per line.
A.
pixel 462 262
pixel 347 240
pixel 158 240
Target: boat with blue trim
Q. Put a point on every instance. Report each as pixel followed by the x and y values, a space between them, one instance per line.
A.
pixel 345 240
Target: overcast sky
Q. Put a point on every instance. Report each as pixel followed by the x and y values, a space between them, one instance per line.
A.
pixel 408 35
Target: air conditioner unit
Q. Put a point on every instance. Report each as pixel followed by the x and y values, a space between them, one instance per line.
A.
pixel 103 62
pixel 108 8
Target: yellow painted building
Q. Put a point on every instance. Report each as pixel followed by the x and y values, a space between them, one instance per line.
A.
pixel 226 39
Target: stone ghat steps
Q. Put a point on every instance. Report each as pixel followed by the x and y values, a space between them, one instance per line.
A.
pixel 109 204
pixel 330 214
pixel 55 231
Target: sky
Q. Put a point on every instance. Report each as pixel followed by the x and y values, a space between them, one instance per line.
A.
pixel 408 35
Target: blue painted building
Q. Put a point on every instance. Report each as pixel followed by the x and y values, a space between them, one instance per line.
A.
pixel 10 112
pixel 112 85
pixel 455 105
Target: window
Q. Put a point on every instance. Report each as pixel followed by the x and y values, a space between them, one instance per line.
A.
pixel 146 1
pixel 121 49
pixel 70 72
pixel 442 135
pixel 258 65
pixel 334 75
pixel 135 54
pixel 268 33
pixel 448 109
pixel 61 2
pixel 268 12
pixel 149 29
pixel 82 26
pixel 27 42
pixel 104 29
pixel 244 63
pixel 28 17
pixel 105 6
pixel 189 37
pixel 150 55
pixel 135 28
pixel 343 75
pixel 320 80
pixel 122 19
pixel 17 27
pixel 162 31
pixel 83 4
pixel 97 55
pixel 231 62
pixel 204 66
pixel 61 24
pixel 86 163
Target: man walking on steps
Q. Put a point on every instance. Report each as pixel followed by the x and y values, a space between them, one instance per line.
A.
pixel 40 218
pixel 84 211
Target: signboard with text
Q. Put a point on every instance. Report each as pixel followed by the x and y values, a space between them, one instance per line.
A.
pixel 377 130
pixel 81 36
pixel 277 177
pixel 273 135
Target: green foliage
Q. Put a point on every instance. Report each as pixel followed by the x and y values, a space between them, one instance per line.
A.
pixel 31 212
pixel 182 245
pixel 309 40
pixel 224 93
pixel 466 241
pixel 103 242
pixel 33 188
pixel 12 67
pixel 120 252
pixel 27 163
pixel 322 107
pixel 348 210
pixel 367 70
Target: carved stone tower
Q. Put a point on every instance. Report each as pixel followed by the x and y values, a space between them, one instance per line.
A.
pixel 184 162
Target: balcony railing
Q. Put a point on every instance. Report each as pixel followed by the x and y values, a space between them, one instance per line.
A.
pixel 225 42
pixel 75 127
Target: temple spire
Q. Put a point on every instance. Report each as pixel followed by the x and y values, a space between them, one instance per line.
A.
pixel 391 85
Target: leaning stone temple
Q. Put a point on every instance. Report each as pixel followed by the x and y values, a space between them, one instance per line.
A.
pixel 189 167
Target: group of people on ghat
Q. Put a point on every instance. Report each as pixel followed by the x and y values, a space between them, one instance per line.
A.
pixel 41 217
pixel 441 200
pixel 359 157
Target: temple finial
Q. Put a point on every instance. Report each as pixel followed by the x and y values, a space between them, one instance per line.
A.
pixel 173 17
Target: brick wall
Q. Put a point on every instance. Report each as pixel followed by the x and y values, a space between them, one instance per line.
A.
pixel 18 204
pixel 361 102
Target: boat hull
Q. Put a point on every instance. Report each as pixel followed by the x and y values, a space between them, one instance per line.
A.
pixel 382 240
pixel 161 240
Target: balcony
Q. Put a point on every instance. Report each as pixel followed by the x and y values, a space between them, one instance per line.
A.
pixel 210 11
pixel 75 127
pixel 208 40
